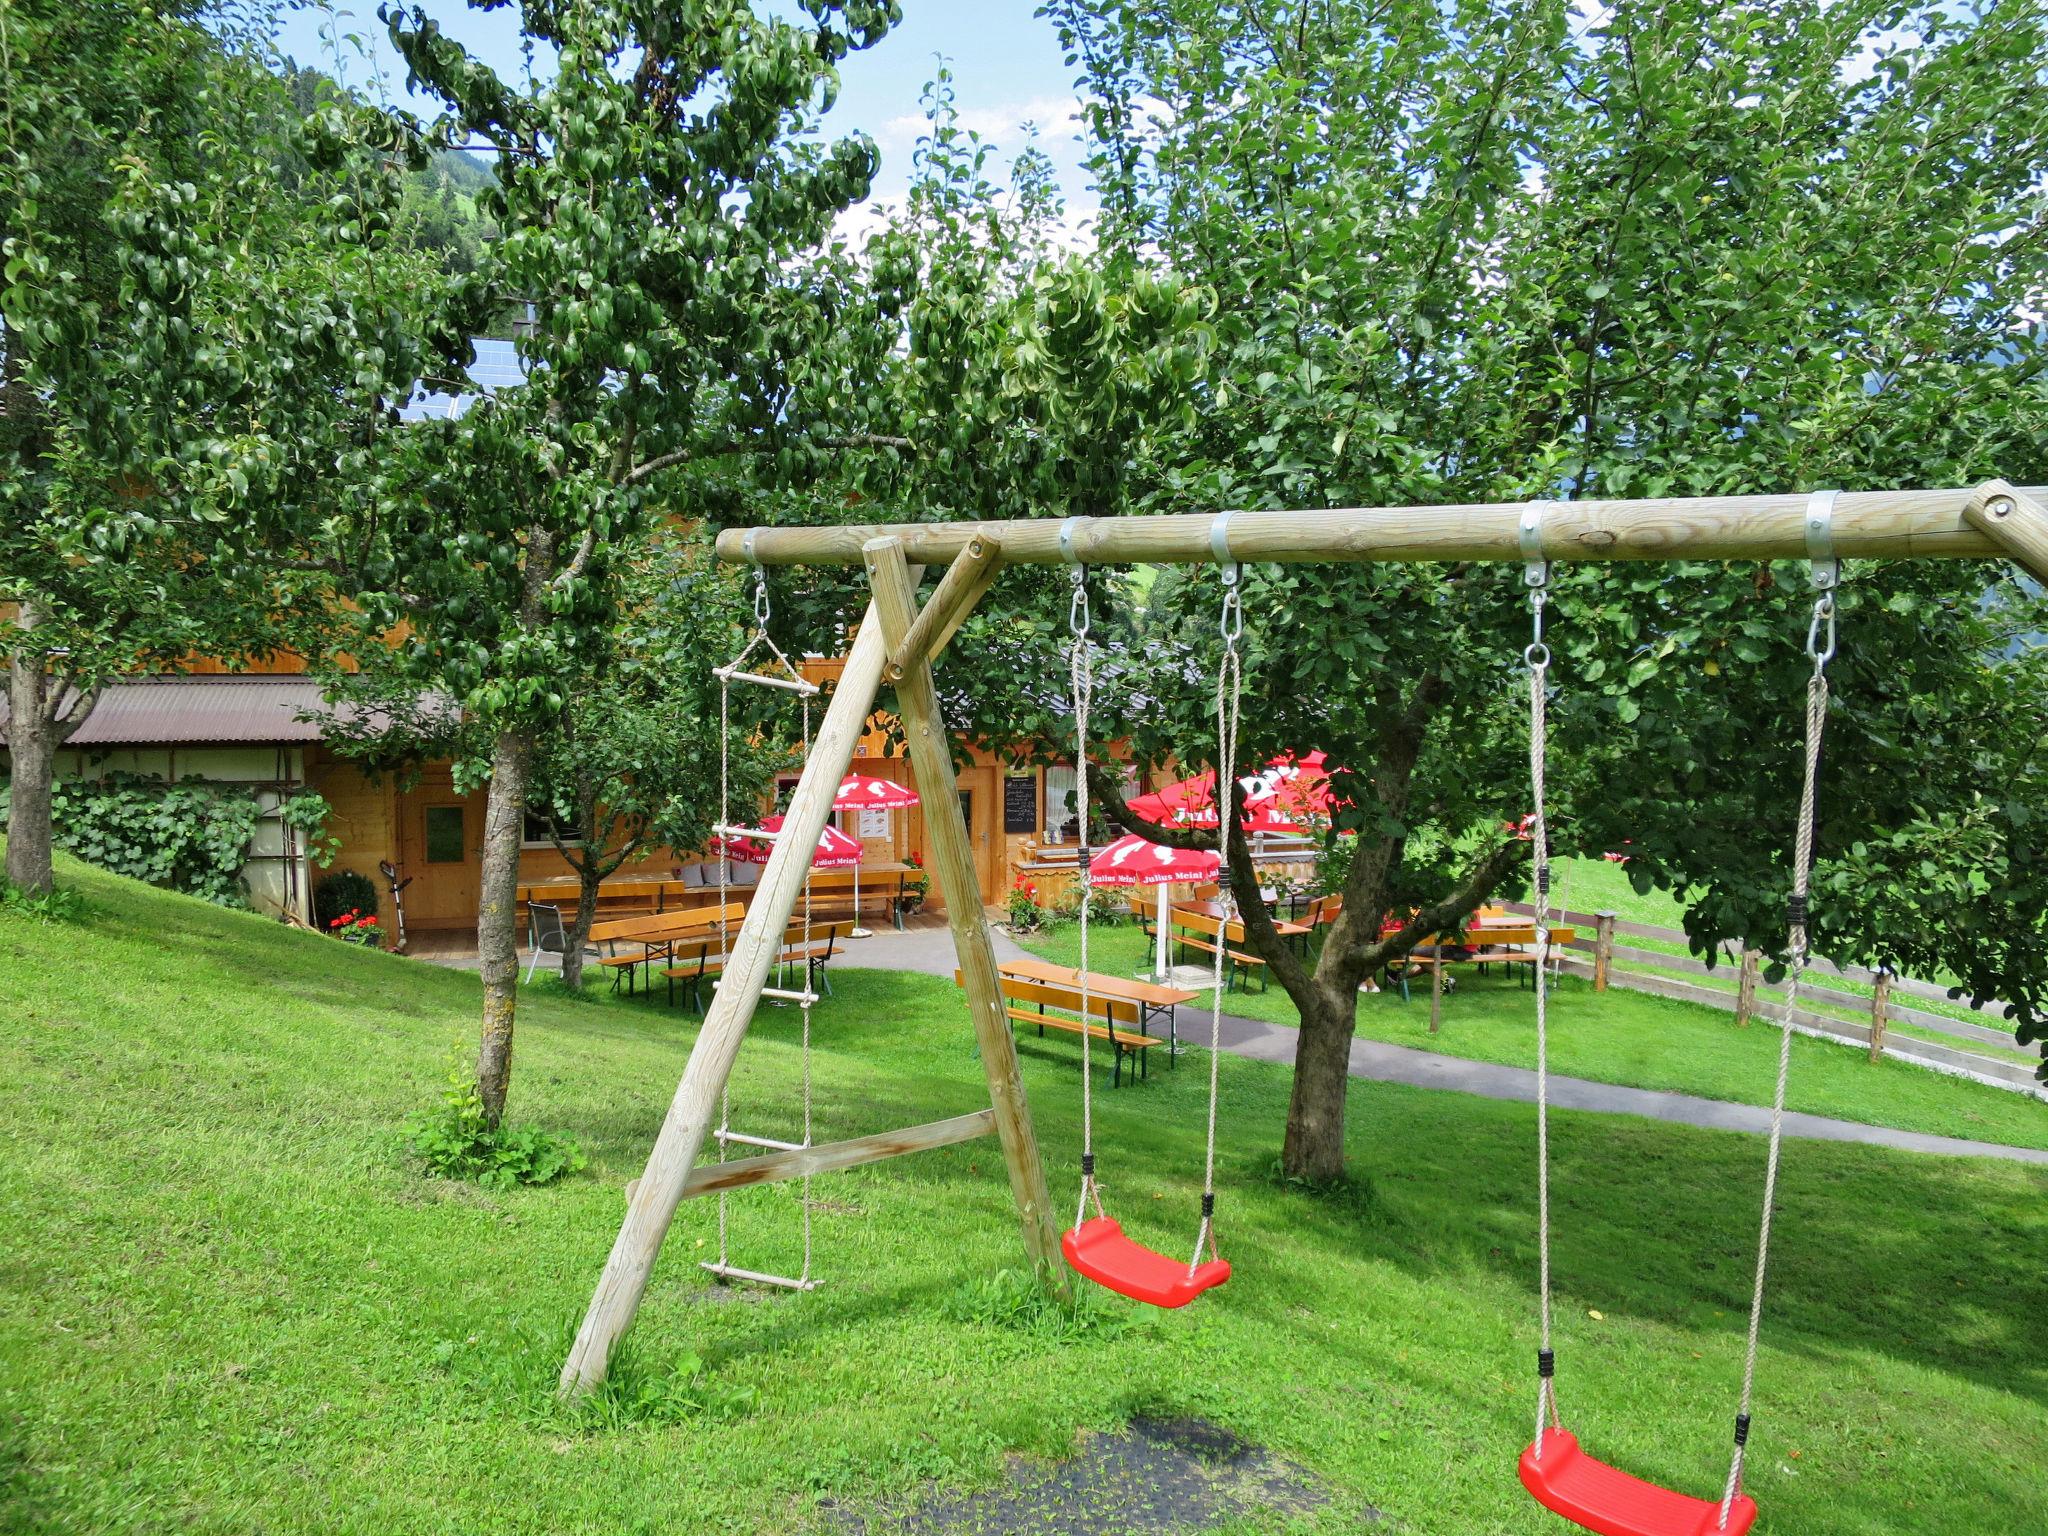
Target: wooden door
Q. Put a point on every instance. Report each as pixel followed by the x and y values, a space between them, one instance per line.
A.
pixel 980 805
pixel 441 844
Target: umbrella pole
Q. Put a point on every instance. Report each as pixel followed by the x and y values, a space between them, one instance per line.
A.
pixel 858 932
pixel 1160 969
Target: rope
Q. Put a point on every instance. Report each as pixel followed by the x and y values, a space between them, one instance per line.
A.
pixel 1802 871
pixel 804 1008
pixel 1229 696
pixel 1081 675
pixel 1537 657
pixel 724 902
pixel 724 675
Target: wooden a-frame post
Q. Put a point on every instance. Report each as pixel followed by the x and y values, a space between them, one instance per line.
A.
pixel 952 861
pixel 653 1197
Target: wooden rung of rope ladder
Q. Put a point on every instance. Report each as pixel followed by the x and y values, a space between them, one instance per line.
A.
pixel 789 684
pixel 726 1272
pixel 758 1141
pixel 786 995
pixel 728 829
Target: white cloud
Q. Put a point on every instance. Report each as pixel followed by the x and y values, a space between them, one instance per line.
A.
pixel 1001 124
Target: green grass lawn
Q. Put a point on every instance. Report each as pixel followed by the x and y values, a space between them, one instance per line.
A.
pixel 1623 1037
pixel 229 1304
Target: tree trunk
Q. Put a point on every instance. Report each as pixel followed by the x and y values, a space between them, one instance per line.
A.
pixel 32 747
pixel 1314 1149
pixel 589 876
pixel 497 928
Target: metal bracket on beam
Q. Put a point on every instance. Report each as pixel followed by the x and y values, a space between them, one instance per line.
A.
pixel 1529 529
pixel 1825 566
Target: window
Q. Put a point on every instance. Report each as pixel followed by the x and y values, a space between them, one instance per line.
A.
pixel 535 833
pixel 1060 806
pixel 444 834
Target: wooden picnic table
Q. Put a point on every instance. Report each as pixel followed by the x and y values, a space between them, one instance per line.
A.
pixel 658 894
pixel 1221 912
pixel 1152 998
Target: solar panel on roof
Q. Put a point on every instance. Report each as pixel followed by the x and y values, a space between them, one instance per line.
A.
pixel 493 365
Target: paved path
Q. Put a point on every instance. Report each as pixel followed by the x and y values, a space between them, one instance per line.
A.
pixel 930 950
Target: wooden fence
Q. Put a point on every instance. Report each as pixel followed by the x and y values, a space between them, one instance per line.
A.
pixel 1597 953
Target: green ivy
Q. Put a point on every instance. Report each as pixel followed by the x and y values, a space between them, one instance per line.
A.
pixel 191 836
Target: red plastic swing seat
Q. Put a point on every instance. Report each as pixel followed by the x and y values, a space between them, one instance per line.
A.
pixel 1099 1250
pixel 1609 1501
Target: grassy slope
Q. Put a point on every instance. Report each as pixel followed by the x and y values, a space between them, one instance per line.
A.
pixel 1632 1039
pixel 225 1302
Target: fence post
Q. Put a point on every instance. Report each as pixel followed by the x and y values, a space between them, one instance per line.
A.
pixel 1745 988
pixel 1603 949
pixel 1880 1011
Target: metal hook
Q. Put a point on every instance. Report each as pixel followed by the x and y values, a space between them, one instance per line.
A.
pixel 1231 623
pixel 1078 618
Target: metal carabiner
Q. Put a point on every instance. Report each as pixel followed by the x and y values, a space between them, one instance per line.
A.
pixel 1231 623
pixel 1078 618
pixel 1823 614
pixel 1536 654
pixel 761 596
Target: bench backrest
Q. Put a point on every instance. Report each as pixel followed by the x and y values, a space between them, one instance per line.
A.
pixel 666 925
pixel 1112 1010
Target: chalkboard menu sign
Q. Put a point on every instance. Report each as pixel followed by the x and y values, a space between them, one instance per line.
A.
pixel 1020 803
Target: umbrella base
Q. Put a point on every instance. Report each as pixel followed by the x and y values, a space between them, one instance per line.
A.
pixel 1193 978
pixel 860 933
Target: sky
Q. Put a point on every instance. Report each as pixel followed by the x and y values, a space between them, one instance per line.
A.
pixel 1006 63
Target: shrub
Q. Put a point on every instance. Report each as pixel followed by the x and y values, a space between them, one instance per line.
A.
pixel 1105 907
pixel 1026 915
pixel 339 894
pixel 457 1141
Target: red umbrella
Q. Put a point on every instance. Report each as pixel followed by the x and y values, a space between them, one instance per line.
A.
pixel 835 849
pixel 1278 798
pixel 858 792
pixel 1131 860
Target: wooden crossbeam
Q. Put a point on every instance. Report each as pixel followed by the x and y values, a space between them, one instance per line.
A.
pixel 832 1156
pixel 966 580
pixel 1882 525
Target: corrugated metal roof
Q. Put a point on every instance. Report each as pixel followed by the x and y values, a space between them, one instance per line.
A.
pixel 160 711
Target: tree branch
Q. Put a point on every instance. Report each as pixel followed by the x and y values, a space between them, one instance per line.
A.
pixel 726 450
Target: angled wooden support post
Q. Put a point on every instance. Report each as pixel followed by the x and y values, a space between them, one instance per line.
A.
pixel 2014 521
pixel 966 580
pixel 931 756
pixel 661 1188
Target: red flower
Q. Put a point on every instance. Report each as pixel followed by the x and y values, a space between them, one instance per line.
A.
pixel 337 922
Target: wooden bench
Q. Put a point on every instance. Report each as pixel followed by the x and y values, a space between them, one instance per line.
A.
pixel 656 937
pixel 1026 1002
pixel 1492 945
pixel 1197 930
pixel 703 959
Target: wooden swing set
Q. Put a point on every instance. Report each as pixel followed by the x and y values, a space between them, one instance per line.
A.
pixel 897 643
